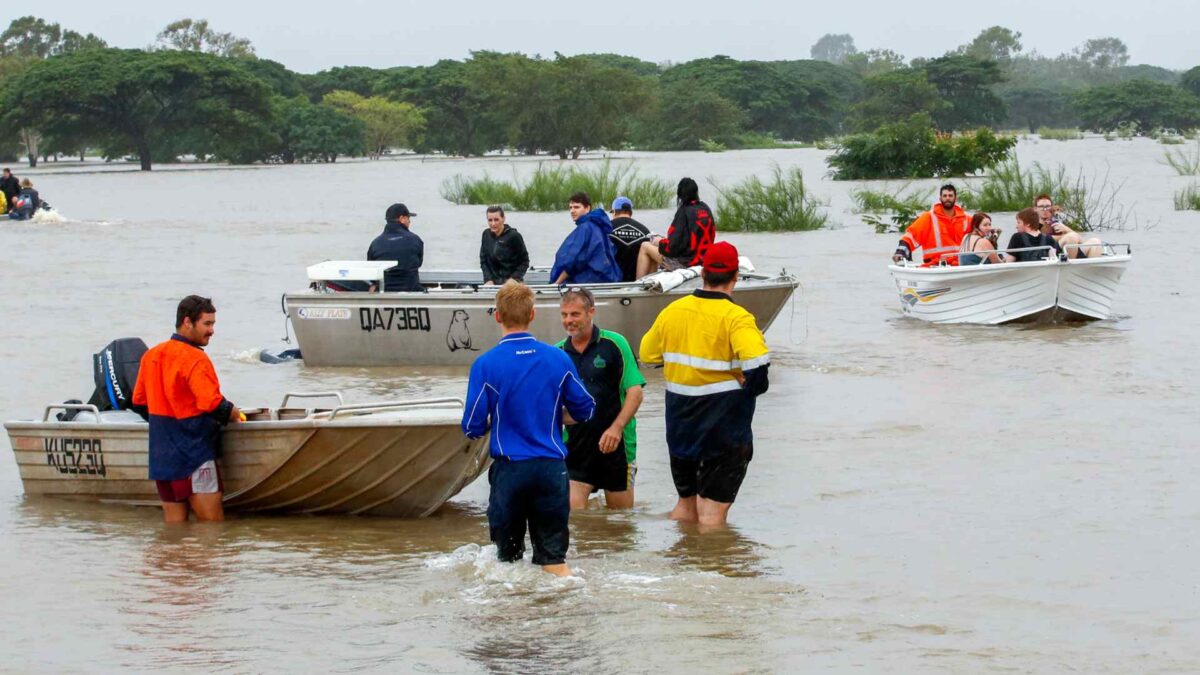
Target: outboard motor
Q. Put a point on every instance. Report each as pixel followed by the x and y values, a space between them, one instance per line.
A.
pixel 115 371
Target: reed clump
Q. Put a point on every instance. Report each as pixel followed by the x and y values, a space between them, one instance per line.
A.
pixel 1184 163
pixel 1188 199
pixel 1052 134
pixel 549 187
pixel 781 204
pixel 1088 203
pixel 890 211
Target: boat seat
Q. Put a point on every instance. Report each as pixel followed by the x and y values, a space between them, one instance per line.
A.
pixel 109 417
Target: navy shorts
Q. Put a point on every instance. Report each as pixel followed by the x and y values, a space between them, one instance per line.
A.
pixel 716 477
pixel 533 492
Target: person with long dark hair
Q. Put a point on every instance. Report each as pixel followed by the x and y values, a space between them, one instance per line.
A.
pixel 692 231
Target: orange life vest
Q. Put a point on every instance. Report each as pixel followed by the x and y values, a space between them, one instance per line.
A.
pixel 936 233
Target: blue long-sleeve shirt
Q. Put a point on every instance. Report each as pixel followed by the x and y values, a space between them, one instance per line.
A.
pixel 518 390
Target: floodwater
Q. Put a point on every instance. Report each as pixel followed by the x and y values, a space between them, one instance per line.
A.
pixel 922 499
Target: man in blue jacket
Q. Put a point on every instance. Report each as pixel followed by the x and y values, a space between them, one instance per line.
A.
pixel 398 242
pixel 587 255
pixel 518 390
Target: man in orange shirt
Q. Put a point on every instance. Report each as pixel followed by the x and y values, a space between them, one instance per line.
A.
pixel 178 383
pixel 937 232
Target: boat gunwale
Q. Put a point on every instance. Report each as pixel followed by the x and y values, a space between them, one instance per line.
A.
pixel 900 271
pixel 349 422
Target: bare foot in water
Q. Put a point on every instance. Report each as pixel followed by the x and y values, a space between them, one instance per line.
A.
pixel 560 570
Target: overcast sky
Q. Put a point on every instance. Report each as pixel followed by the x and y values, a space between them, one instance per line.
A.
pixel 310 36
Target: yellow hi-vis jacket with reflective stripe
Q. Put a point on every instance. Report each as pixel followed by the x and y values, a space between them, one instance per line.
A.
pixel 705 342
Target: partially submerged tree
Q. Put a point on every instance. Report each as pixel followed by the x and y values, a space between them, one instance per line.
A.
pixel 996 43
pixel 388 124
pixel 834 48
pixel 37 38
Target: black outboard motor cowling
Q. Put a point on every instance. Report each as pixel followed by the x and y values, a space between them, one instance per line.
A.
pixel 115 371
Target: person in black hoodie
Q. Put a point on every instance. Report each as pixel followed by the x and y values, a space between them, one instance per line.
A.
pixel 627 236
pixel 502 253
pixel 1029 235
pixel 398 243
pixel 692 231
pixel 10 187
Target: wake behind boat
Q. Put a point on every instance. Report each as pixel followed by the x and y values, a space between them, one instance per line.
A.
pixel 391 458
pixel 1055 288
pixel 452 323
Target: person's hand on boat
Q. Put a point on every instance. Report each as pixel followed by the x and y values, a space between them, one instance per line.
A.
pixel 610 439
pixel 236 415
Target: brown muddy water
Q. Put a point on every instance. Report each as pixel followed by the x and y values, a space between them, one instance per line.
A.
pixel 922 499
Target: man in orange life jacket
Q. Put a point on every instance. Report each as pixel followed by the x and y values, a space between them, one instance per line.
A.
pixel 937 232
pixel 178 384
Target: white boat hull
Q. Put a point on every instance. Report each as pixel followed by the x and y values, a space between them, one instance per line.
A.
pixel 993 294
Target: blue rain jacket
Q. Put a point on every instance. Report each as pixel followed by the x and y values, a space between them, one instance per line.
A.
pixel 587 255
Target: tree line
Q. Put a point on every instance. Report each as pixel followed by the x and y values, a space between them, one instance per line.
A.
pixel 196 92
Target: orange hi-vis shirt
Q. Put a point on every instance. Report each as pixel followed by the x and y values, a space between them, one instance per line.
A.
pixel 937 233
pixel 179 386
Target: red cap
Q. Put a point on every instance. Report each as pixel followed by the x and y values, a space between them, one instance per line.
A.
pixel 721 257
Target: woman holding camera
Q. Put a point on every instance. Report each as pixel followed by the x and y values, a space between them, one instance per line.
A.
pixel 979 241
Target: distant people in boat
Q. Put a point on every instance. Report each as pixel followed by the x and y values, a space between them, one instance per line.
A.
pixel 1054 224
pixel 979 245
pixel 937 232
pixel 692 231
pixel 397 242
pixel 502 253
pixel 1029 235
pixel 627 236
pixel 26 203
pixel 587 255
pixel 177 382
pixel 11 187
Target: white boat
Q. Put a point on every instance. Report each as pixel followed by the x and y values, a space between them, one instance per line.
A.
pixel 1055 288
pixel 451 323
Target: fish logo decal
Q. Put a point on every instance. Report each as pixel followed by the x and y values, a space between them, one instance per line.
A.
pixel 911 296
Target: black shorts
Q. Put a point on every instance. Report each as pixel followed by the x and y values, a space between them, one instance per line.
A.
pixel 715 477
pixel 533 491
pixel 603 471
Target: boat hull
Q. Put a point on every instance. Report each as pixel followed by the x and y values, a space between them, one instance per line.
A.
pixel 448 327
pixel 351 466
pixel 995 294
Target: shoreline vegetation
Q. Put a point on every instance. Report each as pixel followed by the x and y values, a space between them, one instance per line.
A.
pixel 549 187
pixel 205 94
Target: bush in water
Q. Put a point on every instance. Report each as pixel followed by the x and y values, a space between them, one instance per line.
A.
pixel 1184 163
pixel 903 205
pixel 1049 134
pixel 912 149
pixel 550 186
pixel 1087 204
pixel 1188 199
pixel 781 205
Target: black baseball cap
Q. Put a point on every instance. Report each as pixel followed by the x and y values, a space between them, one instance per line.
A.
pixel 396 210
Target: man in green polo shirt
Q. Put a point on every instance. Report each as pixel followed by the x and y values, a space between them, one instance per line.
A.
pixel 602 452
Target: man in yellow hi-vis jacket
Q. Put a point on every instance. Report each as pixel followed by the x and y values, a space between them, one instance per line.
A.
pixel 715 365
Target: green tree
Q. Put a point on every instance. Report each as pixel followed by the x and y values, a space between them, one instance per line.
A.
pixel 32 37
pixel 282 81
pixel 137 99
pixel 358 79
pixel 190 35
pixel 1150 105
pixel 388 124
pixel 1104 53
pixel 996 43
pixel 1032 107
pixel 460 113
pixel 874 62
pixel 965 85
pixel 681 116
pixel 893 97
pixel 311 132
pixel 833 48
pixel 1190 81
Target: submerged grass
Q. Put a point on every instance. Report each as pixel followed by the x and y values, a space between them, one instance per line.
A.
pixel 1089 204
pixel 781 204
pixel 1052 134
pixel 550 186
pixel 1183 162
pixel 1188 199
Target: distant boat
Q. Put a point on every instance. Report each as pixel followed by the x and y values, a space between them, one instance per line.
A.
pixel 398 458
pixel 337 323
pixel 1054 288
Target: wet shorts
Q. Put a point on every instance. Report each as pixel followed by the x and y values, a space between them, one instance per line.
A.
pixel 717 477
pixel 610 472
pixel 205 480
pixel 532 492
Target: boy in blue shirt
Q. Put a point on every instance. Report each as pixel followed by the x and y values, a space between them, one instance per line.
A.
pixel 518 390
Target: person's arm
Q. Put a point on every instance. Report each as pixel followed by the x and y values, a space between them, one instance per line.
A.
pixel 678 236
pixel 578 403
pixel 522 257
pixel 651 350
pixel 476 419
pixel 750 349
pixel 202 380
pixel 909 241
pixel 985 244
pixel 611 438
pixel 485 260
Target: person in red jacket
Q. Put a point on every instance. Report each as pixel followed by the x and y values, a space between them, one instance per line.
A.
pixel 938 232
pixel 178 384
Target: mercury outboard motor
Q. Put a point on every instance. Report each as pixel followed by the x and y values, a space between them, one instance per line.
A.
pixel 115 371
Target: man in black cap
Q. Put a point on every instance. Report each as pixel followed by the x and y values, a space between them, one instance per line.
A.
pixel 399 243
